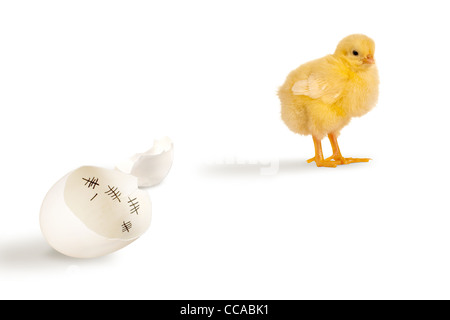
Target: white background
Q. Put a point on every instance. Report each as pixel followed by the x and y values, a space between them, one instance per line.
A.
pixel 241 214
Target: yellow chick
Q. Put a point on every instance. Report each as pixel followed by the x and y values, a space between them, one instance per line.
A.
pixel 321 96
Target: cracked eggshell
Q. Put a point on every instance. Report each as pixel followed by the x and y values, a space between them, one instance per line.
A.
pixel 152 166
pixel 94 211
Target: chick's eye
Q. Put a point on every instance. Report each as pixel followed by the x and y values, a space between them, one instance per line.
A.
pixel 355 53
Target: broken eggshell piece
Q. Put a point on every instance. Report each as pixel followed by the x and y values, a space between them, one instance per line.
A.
pixel 152 166
pixel 94 211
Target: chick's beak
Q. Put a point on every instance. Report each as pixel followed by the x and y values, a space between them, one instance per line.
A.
pixel 369 59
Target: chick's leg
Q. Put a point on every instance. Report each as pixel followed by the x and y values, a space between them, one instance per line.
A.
pixel 337 156
pixel 318 158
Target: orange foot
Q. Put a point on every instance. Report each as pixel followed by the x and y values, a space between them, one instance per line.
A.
pixel 323 162
pixel 339 159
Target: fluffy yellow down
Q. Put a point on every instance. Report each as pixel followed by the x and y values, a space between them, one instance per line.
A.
pixel 321 96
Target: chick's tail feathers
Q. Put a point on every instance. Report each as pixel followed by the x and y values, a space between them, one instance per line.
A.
pixel 292 112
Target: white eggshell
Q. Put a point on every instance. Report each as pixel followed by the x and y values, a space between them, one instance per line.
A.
pixel 94 211
pixel 152 166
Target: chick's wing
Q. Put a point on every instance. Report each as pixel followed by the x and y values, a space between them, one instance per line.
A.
pixel 324 82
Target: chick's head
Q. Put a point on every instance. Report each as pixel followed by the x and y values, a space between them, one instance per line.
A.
pixel 357 50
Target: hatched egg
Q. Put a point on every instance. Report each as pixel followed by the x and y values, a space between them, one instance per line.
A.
pixel 94 211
